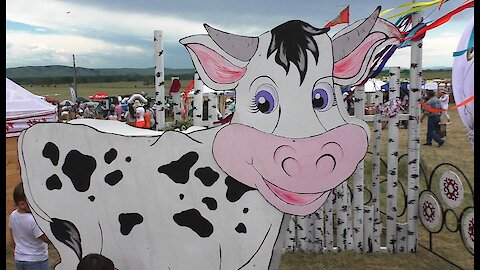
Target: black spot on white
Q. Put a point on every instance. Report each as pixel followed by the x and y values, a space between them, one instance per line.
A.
pixel 114 177
pixel 235 189
pixel 50 151
pixel 181 196
pixel 192 219
pixel 79 168
pixel 210 202
pixel 128 159
pixel 91 198
pixel 128 221
pixel 241 228
pixel 110 156
pixel 207 175
pixel 53 182
pixel 179 170
pixel 245 210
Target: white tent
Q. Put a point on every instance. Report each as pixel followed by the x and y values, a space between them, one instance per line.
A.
pixel 23 109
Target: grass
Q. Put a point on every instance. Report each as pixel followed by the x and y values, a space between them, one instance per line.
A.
pixel 457 150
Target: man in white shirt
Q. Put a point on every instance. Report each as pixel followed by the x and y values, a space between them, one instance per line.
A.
pixel 444 99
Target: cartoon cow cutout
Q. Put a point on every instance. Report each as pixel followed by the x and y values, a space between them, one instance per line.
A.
pixel 216 198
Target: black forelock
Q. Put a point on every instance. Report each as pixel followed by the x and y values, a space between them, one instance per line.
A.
pixel 291 40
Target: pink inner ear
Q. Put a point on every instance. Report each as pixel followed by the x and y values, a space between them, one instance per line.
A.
pixel 350 66
pixel 219 69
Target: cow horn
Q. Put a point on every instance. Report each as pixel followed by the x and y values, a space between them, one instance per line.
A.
pixel 241 47
pixel 346 43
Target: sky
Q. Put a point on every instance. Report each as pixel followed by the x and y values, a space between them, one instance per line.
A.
pixel 119 33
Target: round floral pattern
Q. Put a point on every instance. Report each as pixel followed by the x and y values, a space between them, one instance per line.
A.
pixel 451 189
pixel 468 232
pixel 430 212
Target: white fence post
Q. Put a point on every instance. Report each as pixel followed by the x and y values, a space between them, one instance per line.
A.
pixel 392 166
pixel 212 109
pixel 159 80
pixel 328 208
pixel 358 181
pixel 198 101
pixel 376 166
pixel 318 231
pixel 413 170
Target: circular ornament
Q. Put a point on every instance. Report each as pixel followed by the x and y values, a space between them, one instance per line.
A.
pixel 430 212
pixel 451 189
pixel 467 229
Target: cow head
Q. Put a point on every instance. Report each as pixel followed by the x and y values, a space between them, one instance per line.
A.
pixel 290 136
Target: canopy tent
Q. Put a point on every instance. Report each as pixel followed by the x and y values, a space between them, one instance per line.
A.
pixel 207 90
pixel 371 85
pixel 23 109
pixel 99 95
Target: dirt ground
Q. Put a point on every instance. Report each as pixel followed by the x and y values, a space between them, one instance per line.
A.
pixel 12 177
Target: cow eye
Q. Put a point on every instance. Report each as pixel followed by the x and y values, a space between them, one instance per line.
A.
pixel 322 98
pixel 266 98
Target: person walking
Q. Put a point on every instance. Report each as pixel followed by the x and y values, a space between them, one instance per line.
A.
pixel 433 119
pixel 444 98
pixel 29 243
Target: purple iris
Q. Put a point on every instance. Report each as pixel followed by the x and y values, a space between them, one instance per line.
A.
pixel 319 99
pixel 265 101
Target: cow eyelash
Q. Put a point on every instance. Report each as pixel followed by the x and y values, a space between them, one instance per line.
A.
pixel 253 106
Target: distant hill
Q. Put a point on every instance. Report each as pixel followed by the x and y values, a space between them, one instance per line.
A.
pixel 64 74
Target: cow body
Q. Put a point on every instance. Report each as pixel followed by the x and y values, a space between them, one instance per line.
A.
pixel 214 198
pixel 115 204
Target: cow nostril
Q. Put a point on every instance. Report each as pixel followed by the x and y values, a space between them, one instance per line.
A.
pixel 291 166
pixel 326 164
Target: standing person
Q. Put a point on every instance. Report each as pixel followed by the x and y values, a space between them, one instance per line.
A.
pixel 444 99
pixel 29 243
pixel 118 111
pixel 139 114
pixel 130 118
pixel 147 116
pixel 433 119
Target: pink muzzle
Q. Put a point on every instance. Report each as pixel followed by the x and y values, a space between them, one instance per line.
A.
pixel 295 175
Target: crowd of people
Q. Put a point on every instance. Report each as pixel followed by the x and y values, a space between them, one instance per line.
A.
pixel 134 113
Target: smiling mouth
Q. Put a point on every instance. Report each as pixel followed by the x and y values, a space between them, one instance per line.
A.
pixel 293 197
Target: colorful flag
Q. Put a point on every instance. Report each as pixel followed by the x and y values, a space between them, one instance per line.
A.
pixel 343 17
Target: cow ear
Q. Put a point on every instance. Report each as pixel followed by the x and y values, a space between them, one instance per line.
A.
pixel 217 69
pixel 355 47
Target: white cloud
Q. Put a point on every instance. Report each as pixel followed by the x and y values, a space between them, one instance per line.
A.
pixel 49 49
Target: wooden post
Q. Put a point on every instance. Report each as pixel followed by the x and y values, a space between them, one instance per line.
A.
pixel 212 108
pixel 328 208
pixel 392 166
pixel 74 78
pixel 342 215
pixel 414 137
pixel 159 81
pixel 198 101
pixel 376 165
pixel 358 180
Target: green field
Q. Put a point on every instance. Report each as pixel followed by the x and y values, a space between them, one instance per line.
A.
pixel 457 150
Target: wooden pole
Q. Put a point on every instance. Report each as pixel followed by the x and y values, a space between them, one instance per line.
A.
pixel 74 77
pixel 414 137
pixel 159 81
pixel 377 144
pixel 392 167
pixel 198 101
pixel 358 178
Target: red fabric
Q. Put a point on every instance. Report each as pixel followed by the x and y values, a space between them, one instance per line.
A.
pixel 185 98
pixel 440 21
pixel 343 17
pixel 175 87
pixel 147 119
pixel 430 109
